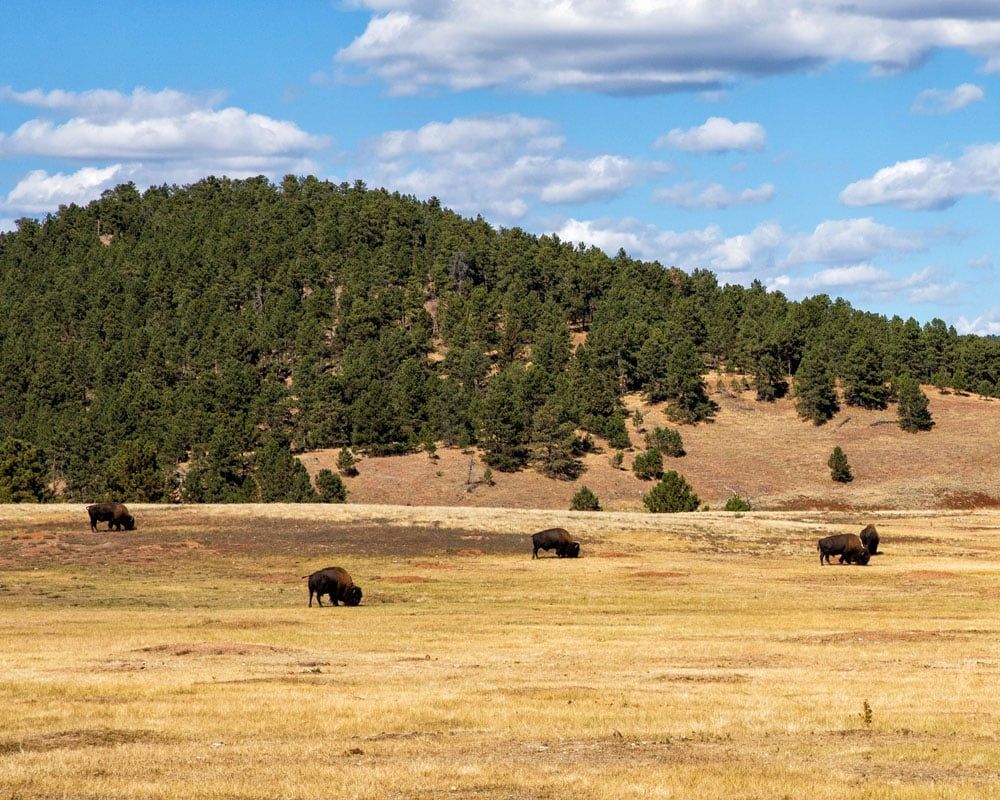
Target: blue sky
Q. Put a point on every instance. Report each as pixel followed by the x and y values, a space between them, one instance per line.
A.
pixel 820 146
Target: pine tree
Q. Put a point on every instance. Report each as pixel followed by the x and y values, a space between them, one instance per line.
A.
pixel 737 503
pixel 863 378
pixel 22 473
pixel 503 421
pixel 331 487
pixel 682 385
pixel 913 405
pixel 347 463
pixel 585 500
pixel 648 465
pixel 667 440
pixel 554 441
pixel 840 470
pixel 815 390
pixel 670 495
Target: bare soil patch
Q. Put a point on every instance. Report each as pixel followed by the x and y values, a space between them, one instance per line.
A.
pixel 214 649
pixel 75 739
pixel 404 579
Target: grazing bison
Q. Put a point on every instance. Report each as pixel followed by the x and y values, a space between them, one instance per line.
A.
pixel 846 545
pixel 555 539
pixel 115 514
pixel 335 582
pixel 869 538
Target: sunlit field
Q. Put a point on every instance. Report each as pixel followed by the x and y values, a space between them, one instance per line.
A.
pixel 699 655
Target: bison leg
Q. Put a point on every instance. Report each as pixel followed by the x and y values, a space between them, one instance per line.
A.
pixel 534 553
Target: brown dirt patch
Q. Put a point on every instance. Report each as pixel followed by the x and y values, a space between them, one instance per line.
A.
pixel 406 579
pixel 75 739
pixel 434 565
pixel 881 637
pixel 127 665
pixel 925 574
pixel 967 500
pixel 213 649
pixel 612 554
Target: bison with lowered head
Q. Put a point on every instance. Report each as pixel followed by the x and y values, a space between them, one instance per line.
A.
pixel 335 582
pixel 848 546
pixel 115 514
pixel 555 539
pixel 869 538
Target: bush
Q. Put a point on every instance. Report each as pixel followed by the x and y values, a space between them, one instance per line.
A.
pixel 671 494
pixel 737 503
pixel 840 470
pixel 331 487
pixel 648 465
pixel 667 440
pixel 585 500
pixel 617 459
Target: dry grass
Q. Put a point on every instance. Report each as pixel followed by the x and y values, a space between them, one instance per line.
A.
pixel 759 449
pixel 701 656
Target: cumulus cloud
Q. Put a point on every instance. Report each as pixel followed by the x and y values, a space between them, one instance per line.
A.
pixel 850 240
pixel 716 135
pixel 944 101
pixel 867 282
pixel 930 183
pixel 986 324
pixel 704 248
pixel 640 47
pixel 497 165
pixel 147 137
pixel 714 195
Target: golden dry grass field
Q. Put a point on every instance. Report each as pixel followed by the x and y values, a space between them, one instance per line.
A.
pixel 686 656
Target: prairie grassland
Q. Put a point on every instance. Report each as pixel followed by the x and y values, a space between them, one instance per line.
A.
pixel 694 656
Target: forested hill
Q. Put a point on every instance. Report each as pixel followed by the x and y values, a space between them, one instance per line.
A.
pixel 226 324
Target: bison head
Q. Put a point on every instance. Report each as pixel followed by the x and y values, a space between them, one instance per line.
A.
pixel 352 596
pixel 130 523
pixel 864 557
pixel 573 550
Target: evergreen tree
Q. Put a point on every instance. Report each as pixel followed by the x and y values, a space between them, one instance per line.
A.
pixel 648 465
pixel 554 441
pixel 672 494
pixel 737 503
pixel 503 421
pixel 133 474
pixel 913 406
pixel 585 500
pixel 682 385
pixel 667 440
pixel 331 487
pixel 814 389
pixel 616 433
pixel 863 378
pixel 347 462
pixel 840 470
pixel 279 477
pixel 22 473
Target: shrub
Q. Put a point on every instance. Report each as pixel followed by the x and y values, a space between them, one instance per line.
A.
pixel 618 459
pixel 840 470
pixel 331 487
pixel 737 503
pixel 667 440
pixel 648 465
pixel 671 494
pixel 585 500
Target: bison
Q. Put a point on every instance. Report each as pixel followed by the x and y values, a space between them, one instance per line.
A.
pixel 846 545
pixel 115 514
pixel 335 582
pixel 555 539
pixel 869 538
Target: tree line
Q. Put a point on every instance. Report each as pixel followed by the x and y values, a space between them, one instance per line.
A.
pixel 187 341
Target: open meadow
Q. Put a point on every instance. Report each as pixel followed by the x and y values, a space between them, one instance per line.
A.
pixel 703 655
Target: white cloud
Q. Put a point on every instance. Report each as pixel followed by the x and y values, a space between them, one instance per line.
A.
pixel 983 262
pixel 107 103
pixel 716 135
pixel 930 183
pixel 705 248
pixel 944 101
pixel 39 191
pixel 7 225
pixel 867 282
pixel 987 323
pixel 714 195
pixel 497 165
pixel 645 46
pixel 850 240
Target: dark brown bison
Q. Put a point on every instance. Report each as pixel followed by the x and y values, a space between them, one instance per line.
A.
pixel 869 538
pixel 115 514
pixel 335 582
pixel 846 545
pixel 555 539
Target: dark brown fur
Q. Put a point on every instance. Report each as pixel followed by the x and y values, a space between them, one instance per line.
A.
pixel 869 538
pixel 115 514
pixel 335 582
pixel 846 545
pixel 557 539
